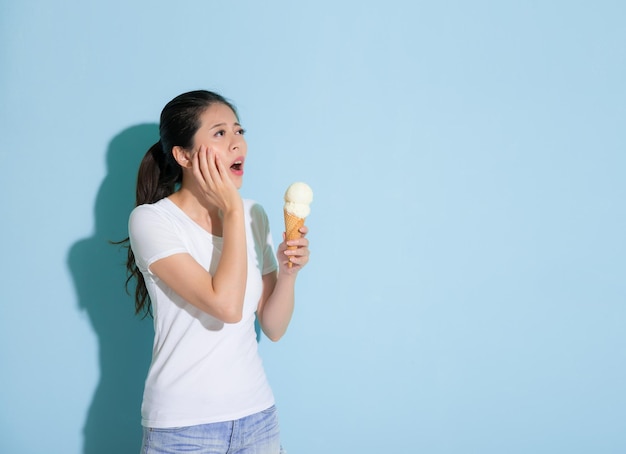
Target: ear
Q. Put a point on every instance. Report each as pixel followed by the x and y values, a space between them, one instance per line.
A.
pixel 182 156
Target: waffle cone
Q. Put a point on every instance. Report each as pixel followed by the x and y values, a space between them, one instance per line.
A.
pixel 292 228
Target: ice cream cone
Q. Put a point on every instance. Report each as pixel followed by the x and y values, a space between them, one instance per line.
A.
pixel 292 228
pixel 298 197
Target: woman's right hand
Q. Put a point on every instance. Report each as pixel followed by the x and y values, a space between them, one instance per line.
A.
pixel 214 180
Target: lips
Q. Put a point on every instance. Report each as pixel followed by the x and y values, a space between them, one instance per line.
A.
pixel 237 166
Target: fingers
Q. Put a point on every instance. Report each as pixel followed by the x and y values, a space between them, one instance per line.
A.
pixel 299 256
pixel 214 179
pixel 207 165
pixel 196 164
pixel 212 168
pixel 201 166
pixel 303 230
pixel 209 169
pixel 297 260
pixel 298 242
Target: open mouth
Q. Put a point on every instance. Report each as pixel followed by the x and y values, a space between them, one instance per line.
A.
pixel 237 166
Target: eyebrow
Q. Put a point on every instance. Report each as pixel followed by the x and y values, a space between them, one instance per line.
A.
pixel 218 125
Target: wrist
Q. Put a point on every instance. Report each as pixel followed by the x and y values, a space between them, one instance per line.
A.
pixel 287 277
pixel 234 210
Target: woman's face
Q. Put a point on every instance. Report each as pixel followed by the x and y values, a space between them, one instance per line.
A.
pixel 221 132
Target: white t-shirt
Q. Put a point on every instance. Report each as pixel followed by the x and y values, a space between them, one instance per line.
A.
pixel 202 369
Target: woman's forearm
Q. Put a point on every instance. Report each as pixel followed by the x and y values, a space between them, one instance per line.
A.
pixel 276 310
pixel 229 280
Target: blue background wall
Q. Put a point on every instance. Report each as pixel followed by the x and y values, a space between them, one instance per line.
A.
pixel 467 289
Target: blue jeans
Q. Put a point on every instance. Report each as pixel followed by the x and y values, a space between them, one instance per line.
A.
pixel 255 434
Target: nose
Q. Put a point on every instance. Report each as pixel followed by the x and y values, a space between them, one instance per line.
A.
pixel 237 143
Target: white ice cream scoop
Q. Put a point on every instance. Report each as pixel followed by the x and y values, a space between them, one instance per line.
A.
pixel 298 197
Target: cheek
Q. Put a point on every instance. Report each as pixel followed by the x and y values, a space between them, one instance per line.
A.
pixel 204 138
pixel 213 144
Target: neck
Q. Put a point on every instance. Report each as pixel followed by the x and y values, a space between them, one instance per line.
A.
pixel 207 216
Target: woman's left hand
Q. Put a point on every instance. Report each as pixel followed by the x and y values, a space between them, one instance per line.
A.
pixel 298 256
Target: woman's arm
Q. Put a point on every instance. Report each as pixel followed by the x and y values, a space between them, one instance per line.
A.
pixel 277 302
pixel 221 294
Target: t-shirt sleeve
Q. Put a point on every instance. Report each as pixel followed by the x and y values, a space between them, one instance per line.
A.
pixel 152 236
pixel 269 257
pixel 265 246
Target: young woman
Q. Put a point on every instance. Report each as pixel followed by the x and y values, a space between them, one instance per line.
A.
pixel 205 265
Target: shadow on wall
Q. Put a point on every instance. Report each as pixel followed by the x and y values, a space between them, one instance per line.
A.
pixel 113 423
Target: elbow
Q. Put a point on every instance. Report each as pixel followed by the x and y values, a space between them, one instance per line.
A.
pixel 232 315
pixel 227 308
pixel 275 337
pixel 226 312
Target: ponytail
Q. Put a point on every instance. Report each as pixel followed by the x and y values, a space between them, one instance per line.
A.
pixel 158 175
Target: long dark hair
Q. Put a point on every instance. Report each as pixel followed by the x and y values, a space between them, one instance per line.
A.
pixel 159 174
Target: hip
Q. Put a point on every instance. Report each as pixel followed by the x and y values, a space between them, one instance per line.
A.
pixel 258 433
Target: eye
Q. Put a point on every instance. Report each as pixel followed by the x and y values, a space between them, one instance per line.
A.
pixel 240 131
pixel 220 133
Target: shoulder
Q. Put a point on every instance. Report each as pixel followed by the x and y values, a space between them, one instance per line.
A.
pixel 158 209
pixel 151 217
pixel 154 231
